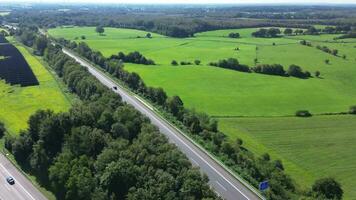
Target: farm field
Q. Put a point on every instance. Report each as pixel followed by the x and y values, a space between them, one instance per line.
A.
pixel 235 93
pixel 310 148
pixel 21 102
pixel 254 107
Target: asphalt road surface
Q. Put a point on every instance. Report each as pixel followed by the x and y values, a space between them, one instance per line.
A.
pixel 22 189
pixel 225 184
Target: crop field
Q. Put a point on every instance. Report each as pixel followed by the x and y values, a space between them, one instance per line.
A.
pixel 21 102
pixel 256 107
pixel 310 148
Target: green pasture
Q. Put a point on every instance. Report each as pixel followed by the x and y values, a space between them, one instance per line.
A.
pixel 18 103
pixel 222 92
pixel 310 148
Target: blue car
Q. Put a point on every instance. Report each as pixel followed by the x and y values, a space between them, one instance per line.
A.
pixel 10 180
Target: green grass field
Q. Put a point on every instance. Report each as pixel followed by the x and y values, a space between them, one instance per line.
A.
pixel 18 103
pixel 221 92
pixel 310 148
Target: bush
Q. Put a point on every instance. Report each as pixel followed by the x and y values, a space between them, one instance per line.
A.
pixel 274 69
pixel 296 71
pixel 352 110
pixel 303 113
pixel 327 188
pixel 185 63
pixel 234 35
pixel 174 63
pixel 197 62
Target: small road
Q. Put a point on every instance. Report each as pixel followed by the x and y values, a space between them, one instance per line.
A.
pixel 226 185
pixel 22 189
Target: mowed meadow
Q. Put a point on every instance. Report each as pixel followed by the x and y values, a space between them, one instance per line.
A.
pixel 222 92
pixel 254 107
pixel 18 103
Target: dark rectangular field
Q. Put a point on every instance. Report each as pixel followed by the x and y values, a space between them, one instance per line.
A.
pixel 14 69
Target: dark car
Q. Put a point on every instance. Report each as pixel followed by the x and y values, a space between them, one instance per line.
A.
pixel 10 180
pixel 115 88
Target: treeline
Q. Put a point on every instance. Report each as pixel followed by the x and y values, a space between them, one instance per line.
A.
pixel 205 130
pixel 310 30
pixel 133 57
pixel 326 49
pixel 267 33
pixel 274 69
pixel 102 148
pixel 173 23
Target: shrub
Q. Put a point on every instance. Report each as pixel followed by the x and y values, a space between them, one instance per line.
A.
pixel 296 71
pixel 352 110
pixel 303 113
pixel 197 62
pixel 317 74
pixel 83 37
pixel 234 35
pixel 185 63
pixel 327 188
pixel 174 63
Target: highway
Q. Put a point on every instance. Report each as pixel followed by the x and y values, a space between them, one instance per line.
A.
pixel 22 189
pixel 224 183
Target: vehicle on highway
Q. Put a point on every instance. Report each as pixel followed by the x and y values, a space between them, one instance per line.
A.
pixel 115 88
pixel 10 180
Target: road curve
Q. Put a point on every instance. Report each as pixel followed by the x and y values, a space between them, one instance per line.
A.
pixel 22 189
pixel 225 184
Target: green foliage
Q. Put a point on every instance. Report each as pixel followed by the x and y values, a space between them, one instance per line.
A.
pixel 2 130
pixel 303 113
pixel 234 35
pixel 100 30
pixel 78 159
pixel 306 146
pixel 327 188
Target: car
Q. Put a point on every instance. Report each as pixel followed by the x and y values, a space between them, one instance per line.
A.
pixel 115 88
pixel 10 180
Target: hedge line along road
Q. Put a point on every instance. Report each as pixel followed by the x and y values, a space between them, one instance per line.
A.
pixel 225 184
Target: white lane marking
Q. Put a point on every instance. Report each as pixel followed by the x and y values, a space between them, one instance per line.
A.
pixel 163 125
pixel 148 106
pixel 194 162
pixel 221 185
pixel 18 183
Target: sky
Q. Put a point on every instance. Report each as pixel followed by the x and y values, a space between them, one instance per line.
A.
pixel 191 1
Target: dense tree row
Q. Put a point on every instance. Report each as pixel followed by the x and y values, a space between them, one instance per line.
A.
pixel 267 33
pixel 326 49
pixel 231 63
pixel 173 23
pixel 102 148
pixel 274 69
pixel 133 57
